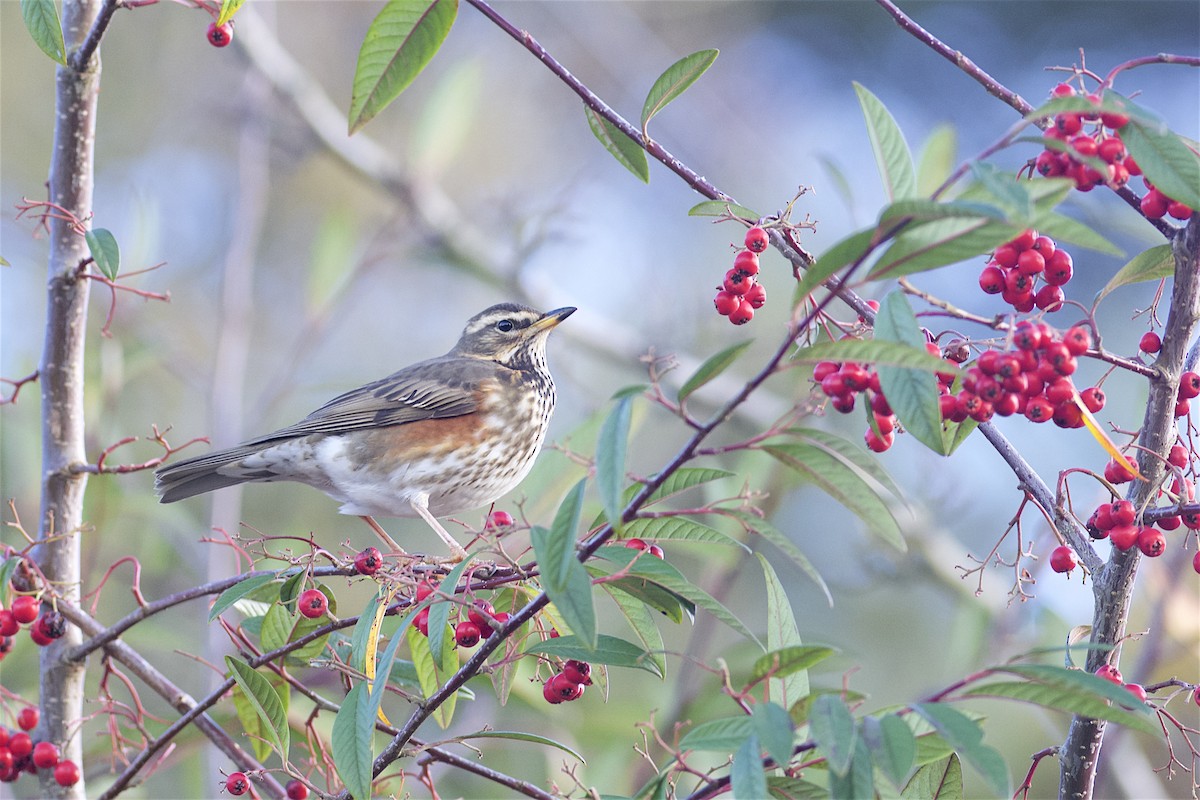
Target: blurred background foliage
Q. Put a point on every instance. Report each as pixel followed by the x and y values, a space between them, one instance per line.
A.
pixel 294 276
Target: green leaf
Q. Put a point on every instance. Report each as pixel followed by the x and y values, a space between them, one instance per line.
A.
pixel 773 727
pixel 711 368
pixel 939 243
pixel 721 208
pixel 256 728
pixel 1008 191
pixel 399 44
pixel 672 83
pixel 1166 161
pixel 800 711
pixel 891 151
pixel 105 252
pixel 874 351
pixel 351 741
pixel 848 250
pixel 941 780
pixel 669 604
pixel 849 452
pixel 746 777
pixel 555 549
pixel 832 727
pixel 266 703
pixel 937 159
pixel 608 650
pixel 683 479
pixel 638 615
pixel 1076 691
pixel 428 672
pixel 787 660
pixel 7 567
pixel 236 592
pixel 281 626
pixel 679 529
pixel 521 736
pixel 780 540
pixel 1071 231
pixel 439 619
pixel 966 737
pixel 1150 265
pixel 383 667
pixel 625 150
pixel 892 744
pixel 719 735
pixel 610 460
pixel 912 394
pixel 918 211
pixel 782 632
pixel 228 9
pixel 844 484
pixel 859 781
pixel 784 788
pixel 43 24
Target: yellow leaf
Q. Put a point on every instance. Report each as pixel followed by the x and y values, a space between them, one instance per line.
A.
pixel 1092 425
pixel 373 639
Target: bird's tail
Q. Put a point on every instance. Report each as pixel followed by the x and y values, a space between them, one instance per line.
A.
pixel 205 473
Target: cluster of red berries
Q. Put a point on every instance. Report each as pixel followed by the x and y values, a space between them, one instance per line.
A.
pixel 19 753
pixel 1156 205
pixel 43 629
pixel 482 618
pixel 1033 380
pixel 1090 134
pixel 842 381
pixel 1016 267
pixel 1111 673
pixel 220 35
pixel 741 292
pixel 237 784
pixel 646 547
pixel 568 685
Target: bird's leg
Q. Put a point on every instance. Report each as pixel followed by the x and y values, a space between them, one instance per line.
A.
pixel 457 553
pixel 388 540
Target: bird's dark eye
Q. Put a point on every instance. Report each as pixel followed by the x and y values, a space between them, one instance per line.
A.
pixel 505 325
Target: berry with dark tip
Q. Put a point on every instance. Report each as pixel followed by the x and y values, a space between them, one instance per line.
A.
pixel 220 35
pixel 27 718
pixel 66 773
pixel 296 790
pixel 367 562
pixel 467 634
pixel 1062 559
pixel 756 239
pixel 312 603
pixel 237 784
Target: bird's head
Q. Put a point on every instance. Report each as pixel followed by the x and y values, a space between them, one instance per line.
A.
pixel 512 334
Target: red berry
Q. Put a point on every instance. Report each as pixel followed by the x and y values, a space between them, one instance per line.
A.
pixel 27 718
pixel 1123 537
pixel 854 376
pixel 1196 569
pixel 1111 150
pixel 1178 457
pixel 1068 415
pixel 25 608
pixel 8 623
pixel 757 296
pixel 1049 298
pixel 635 543
pixel 20 745
pixel 45 755
pixel 1137 690
pixel 421 621
pixel 824 369
pixel 296 790
pixel 746 262
pixel 1039 409
pixel 1151 542
pixel 312 603
pixel 1063 90
pixel 877 443
pixel 743 314
pixel 563 688
pixel 1093 399
pixel 367 562
pixel 52 625
pixel 1031 262
pixel 237 784
pixel 1078 339
pixel 1189 385
pixel 1114 119
pixel 1154 204
pixel 1005 255
pixel 38 636
pixel 1062 559
pixel 737 282
pixel 1068 124
pixel 480 612
pixel 220 36
pixel 578 672
pixel 500 617
pixel 1050 164
pixel 66 773
pixel 1151 342
pixel 1110 673
pixel 726 302
pixel 1183 408
pixel 1084 145
pixel 991 280
pixel 756 239
pixel 1169 523
pixel 1123 512
pixel 467 634
pixel 1179 210
pixel 656 551
pixel 1059 268
pixel 1060 391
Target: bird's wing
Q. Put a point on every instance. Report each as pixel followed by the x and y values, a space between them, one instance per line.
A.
pixel 405 396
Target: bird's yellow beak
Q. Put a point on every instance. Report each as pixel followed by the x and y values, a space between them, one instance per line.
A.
pixel 551 318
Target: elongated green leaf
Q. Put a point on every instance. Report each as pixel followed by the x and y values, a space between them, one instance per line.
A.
pixel 1067 689
pixel 575 602
pixel 966 736
pixel 719 735
pixel 679 529
pixel 874 351
pixel 428 672
pixel 281 626
pixel 610 459
pixel 236 592
pixel 683 479
pixel 891 151
pixel 1149 265
pixel 939 243
pixel 782 632
pixel 746 777
pixel 912 394
pixel 384 667
pixel 1167 162
pixel 773 727
pixel 607 649
pixel 858 782
pixel 439 619
pixel 1008 191
pixel 711 368
pixel 1072 231
pixel 672 83
pixel 228 9
pixel 940 780
pixel 667 603
pixel 638 615
pixel 782 787
pixel 626 151
pixel 849 452
pixel 521 736
pixel 351 741
pixel 780 540
pixel 399 44
pixel 832 728
pixel 842 483
pixel 43 24
pixel 800 711
pixel 266 703
pixel 788 659
pixel 104 250
pixel 921 210
pixel 892 744
pixel 257 730
pixel 937 159
pixel 555 549
pixel 719 208
pixel 7 567
pixel 1061 699
pixel 845 252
